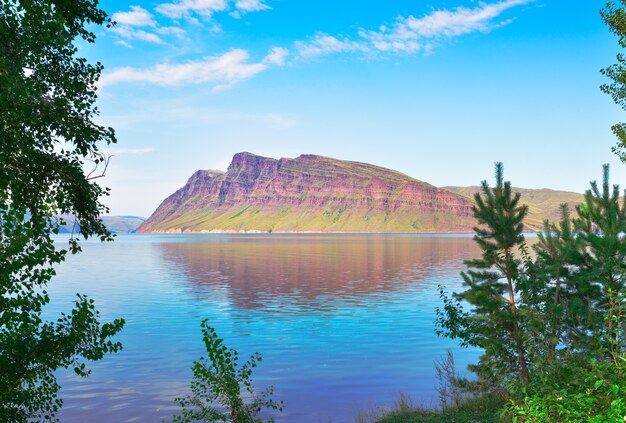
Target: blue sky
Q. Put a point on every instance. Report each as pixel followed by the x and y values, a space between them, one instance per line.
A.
pixel 437 89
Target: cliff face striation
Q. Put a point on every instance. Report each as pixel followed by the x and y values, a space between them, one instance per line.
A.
pixel 309 194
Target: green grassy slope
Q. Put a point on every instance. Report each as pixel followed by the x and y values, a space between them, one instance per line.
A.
pixel 542 203
pixel 329 219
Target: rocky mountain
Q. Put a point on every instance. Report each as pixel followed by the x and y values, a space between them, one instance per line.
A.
pixel 319 194
pixel 309 194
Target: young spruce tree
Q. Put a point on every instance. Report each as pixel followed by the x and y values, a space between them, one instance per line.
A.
pixel 581 265
pixel 601 274
pixel 549 288
pixel 492 283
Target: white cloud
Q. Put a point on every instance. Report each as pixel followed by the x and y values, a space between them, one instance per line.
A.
pixel 184 8
pixel 126 23
pixel 244 6
pixel 189 10
pixel 276 56
pixel 323 44
pixel 131 33
pixel 137 16
pixel 206 8
pixel 411 34
pixel 173 30
pixel 458 22
pixel 123 43
pixel 147 36
pixel 220 71
pixel 251 5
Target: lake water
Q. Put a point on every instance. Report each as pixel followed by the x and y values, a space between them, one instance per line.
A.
pixel 344 323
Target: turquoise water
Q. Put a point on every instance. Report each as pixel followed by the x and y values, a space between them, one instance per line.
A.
pixel 344 323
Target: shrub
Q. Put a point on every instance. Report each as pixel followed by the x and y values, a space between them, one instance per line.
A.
pixel 222 390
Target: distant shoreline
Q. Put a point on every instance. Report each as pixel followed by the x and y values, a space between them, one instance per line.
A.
pixel 258 232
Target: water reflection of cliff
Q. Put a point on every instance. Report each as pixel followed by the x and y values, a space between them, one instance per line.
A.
pixel 258 272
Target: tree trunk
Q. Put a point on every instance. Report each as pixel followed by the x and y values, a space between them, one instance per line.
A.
pixel 521 355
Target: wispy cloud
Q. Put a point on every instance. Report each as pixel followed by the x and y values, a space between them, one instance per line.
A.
pixel 192 9
pixel 276 56
pixel 173 30
pixel 130 33
pixel 251 5
pixel 322 44
pixel 410 34
pixel 245 6
pixel 219 71
pixel 137 16
pixel 128 24
pixel 186 8
pixel 123 43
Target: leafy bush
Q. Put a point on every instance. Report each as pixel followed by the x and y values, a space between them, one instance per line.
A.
pixel 596 394
pixel 222 389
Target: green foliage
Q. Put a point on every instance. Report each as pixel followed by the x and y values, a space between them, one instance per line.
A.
pixel 600 274
pixel 553 311
pixel 222 389
pixel 47 103
pixel 614 17
pixel 47 97
pixel 596 393
pixel 495 323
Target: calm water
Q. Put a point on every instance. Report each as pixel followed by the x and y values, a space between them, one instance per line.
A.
pixel 344 323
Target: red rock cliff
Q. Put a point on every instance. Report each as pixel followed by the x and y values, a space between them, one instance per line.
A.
pixel 309 193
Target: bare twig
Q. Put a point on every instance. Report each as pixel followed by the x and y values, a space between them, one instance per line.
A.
pixel 106 161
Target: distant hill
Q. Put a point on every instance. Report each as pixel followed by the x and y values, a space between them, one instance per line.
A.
pixel 115 224
pixel 542 203
pixel 309 194
pixel 122 224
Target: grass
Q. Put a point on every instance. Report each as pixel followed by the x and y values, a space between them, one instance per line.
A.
pixel 472 410
pixel 329 218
